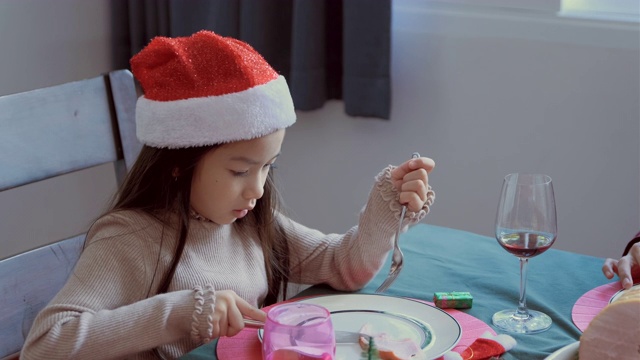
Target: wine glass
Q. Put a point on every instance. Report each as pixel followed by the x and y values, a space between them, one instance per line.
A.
pixel 525 227
pixel 298 331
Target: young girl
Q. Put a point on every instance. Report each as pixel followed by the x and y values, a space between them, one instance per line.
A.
pixel 195 242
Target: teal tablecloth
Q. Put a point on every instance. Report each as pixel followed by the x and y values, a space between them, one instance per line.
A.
pixel 444 259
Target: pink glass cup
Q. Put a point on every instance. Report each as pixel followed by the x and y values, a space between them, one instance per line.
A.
pixel 298 331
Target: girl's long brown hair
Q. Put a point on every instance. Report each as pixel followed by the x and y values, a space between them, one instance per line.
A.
pixel 151 186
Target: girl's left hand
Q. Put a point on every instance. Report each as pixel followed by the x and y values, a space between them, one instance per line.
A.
pixel 411 179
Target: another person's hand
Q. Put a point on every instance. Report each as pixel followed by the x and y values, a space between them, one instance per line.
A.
pixel 411 179
pixel 230 311
pixel 627 267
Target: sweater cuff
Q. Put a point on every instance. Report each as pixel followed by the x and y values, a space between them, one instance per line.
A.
pixel 202 318
pixel 384 184
pixel 630 244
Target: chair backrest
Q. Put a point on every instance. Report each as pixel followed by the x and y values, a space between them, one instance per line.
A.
pixel 48 138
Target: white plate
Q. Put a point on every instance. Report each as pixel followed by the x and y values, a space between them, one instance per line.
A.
pixel 434 330
pixel 620 292
pixel 569 352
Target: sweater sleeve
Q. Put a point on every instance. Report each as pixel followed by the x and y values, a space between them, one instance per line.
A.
pixel 102 311
pixel 349 261
pixel 633 241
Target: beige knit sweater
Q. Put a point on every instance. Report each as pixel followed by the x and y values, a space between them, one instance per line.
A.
pixel 108 310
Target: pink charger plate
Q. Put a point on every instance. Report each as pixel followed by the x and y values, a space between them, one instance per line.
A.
pixel 246 345
pixel 591 303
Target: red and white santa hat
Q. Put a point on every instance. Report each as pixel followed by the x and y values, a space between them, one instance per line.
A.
pixel 206 89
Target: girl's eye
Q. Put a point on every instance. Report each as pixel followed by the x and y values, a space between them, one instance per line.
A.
pixel 240 173
pixel 246 172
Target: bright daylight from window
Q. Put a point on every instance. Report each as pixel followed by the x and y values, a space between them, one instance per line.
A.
pixel 616 10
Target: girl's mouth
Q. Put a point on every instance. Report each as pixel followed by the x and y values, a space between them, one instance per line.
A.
pixel 241 213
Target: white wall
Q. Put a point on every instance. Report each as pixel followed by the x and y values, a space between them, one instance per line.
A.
pixel 484 93
pixel 44 43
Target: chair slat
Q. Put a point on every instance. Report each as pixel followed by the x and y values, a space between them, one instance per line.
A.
pixel 55 144
pixel 55 130
pixel 28 282
pixel 124 96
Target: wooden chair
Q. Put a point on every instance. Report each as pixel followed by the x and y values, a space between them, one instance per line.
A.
pixel 48 137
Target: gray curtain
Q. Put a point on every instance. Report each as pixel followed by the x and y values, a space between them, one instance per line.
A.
pixel 326 49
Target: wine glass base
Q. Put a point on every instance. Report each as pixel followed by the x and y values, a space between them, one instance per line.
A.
pixel 512 321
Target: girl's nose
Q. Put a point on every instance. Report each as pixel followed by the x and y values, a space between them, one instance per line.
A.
pixel 255 188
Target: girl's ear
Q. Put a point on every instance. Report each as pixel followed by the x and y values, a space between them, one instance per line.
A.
pixel 176 172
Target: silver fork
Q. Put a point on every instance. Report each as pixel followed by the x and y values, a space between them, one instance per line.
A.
pixel 397 259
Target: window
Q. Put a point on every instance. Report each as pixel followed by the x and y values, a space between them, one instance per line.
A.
pixel 611 10
pixel 616 10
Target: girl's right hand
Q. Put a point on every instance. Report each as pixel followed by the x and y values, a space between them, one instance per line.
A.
pixel 411 179
pixel 627 267
pixel 230 311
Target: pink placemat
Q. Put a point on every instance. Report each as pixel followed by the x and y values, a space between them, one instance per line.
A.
pixel 246 346
pixel 591 303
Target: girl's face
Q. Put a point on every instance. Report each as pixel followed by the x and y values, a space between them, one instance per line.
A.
pixel 229 179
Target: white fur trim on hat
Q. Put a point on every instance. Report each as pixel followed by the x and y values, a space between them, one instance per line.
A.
pixel 244 115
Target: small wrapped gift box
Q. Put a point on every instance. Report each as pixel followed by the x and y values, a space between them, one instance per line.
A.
pixel 453 300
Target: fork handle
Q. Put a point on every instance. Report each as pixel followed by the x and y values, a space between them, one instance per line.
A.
pixel 415 155
pixel 253 324
pixel 396 239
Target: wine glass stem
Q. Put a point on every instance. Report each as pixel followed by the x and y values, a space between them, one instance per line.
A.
pixel 522 312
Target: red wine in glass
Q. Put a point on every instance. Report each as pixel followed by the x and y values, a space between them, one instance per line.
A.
pixel 526 243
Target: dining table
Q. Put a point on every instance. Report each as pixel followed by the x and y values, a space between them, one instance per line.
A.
pixel 442 259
